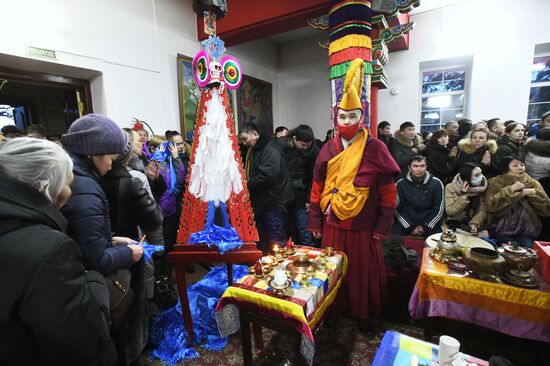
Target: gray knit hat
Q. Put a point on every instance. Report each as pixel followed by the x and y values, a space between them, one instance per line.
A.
pixel 128 147
pixel 94 134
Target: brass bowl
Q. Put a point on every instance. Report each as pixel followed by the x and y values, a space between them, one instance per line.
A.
pixel 484 262
pixel 301 260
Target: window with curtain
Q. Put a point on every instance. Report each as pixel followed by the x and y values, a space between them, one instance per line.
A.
pixel 442 97
pixel 539 96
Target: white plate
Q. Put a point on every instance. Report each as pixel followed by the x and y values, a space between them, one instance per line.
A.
pixel 467 241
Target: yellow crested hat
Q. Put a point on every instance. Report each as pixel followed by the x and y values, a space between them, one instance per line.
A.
pixel 353 85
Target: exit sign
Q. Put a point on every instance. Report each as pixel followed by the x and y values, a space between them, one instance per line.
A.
pixel 41 52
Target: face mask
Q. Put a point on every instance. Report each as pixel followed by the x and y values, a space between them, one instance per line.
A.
pixel 347 132
pixel 474 182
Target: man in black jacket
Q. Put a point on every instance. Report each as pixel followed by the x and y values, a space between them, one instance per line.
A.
pixel 385 135
pixel 300 157
pixel 268 184
pixel 405 145
pixel 420 203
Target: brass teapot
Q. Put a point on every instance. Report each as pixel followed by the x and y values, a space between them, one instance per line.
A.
pixel 518 258
pixel 447 242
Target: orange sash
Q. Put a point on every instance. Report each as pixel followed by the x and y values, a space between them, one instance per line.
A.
pixel 345 199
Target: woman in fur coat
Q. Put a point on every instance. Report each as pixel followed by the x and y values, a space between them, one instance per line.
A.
pixel 464 200
pixel 478 149
pixel 514 202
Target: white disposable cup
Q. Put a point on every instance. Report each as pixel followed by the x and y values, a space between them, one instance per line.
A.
pixel 448 350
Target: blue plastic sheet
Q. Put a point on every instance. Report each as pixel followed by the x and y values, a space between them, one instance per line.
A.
pixel 167 335
pixel 149 249
pixel 166 156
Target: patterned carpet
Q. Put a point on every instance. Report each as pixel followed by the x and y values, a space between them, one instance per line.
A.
pixel 345 346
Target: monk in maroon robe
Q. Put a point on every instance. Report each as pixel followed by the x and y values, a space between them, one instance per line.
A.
pixel 353 201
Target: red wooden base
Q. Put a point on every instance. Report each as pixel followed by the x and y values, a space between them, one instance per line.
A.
pixel 188 253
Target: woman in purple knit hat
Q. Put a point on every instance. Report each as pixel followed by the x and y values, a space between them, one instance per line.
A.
pixel 94 142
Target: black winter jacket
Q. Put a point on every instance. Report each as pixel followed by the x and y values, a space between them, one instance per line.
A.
pixel 420 204
pixel 268 179
pixel 440 164
pixel 300 166
pixel 130 205
pixel 506 147
pixel 388 140
pixel 52 312
pixel 467 153
pixel 89 225
pixel 158 186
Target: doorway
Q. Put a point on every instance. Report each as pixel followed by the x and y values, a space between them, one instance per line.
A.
pixel 52 101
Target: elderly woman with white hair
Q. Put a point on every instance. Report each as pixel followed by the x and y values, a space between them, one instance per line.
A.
pixel 52 312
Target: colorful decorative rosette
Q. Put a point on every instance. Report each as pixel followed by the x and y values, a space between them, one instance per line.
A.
pixel 232 72
pixel 200 69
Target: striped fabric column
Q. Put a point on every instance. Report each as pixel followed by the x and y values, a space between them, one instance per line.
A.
pixel 350 38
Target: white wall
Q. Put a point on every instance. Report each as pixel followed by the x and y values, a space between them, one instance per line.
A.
pixel 132 43
pixel 304 87
pixel 259 59
pixel 500 35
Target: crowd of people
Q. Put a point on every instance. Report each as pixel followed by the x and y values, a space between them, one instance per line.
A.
pixel 88 196
pixel 489 179
pixel 87 203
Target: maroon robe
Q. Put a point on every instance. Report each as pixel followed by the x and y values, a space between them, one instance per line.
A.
pixel 365 284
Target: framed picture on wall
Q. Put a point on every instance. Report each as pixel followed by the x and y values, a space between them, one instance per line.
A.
pixel 255 103
pixel 189 97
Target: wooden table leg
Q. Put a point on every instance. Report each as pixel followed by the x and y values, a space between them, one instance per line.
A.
pixel 429 329
pixel 245 338
pixel 258 340
pixel 182 291
pixel 229 273
pixel 299 360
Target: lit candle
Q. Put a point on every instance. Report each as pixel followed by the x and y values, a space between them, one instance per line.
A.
pixel 276 249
